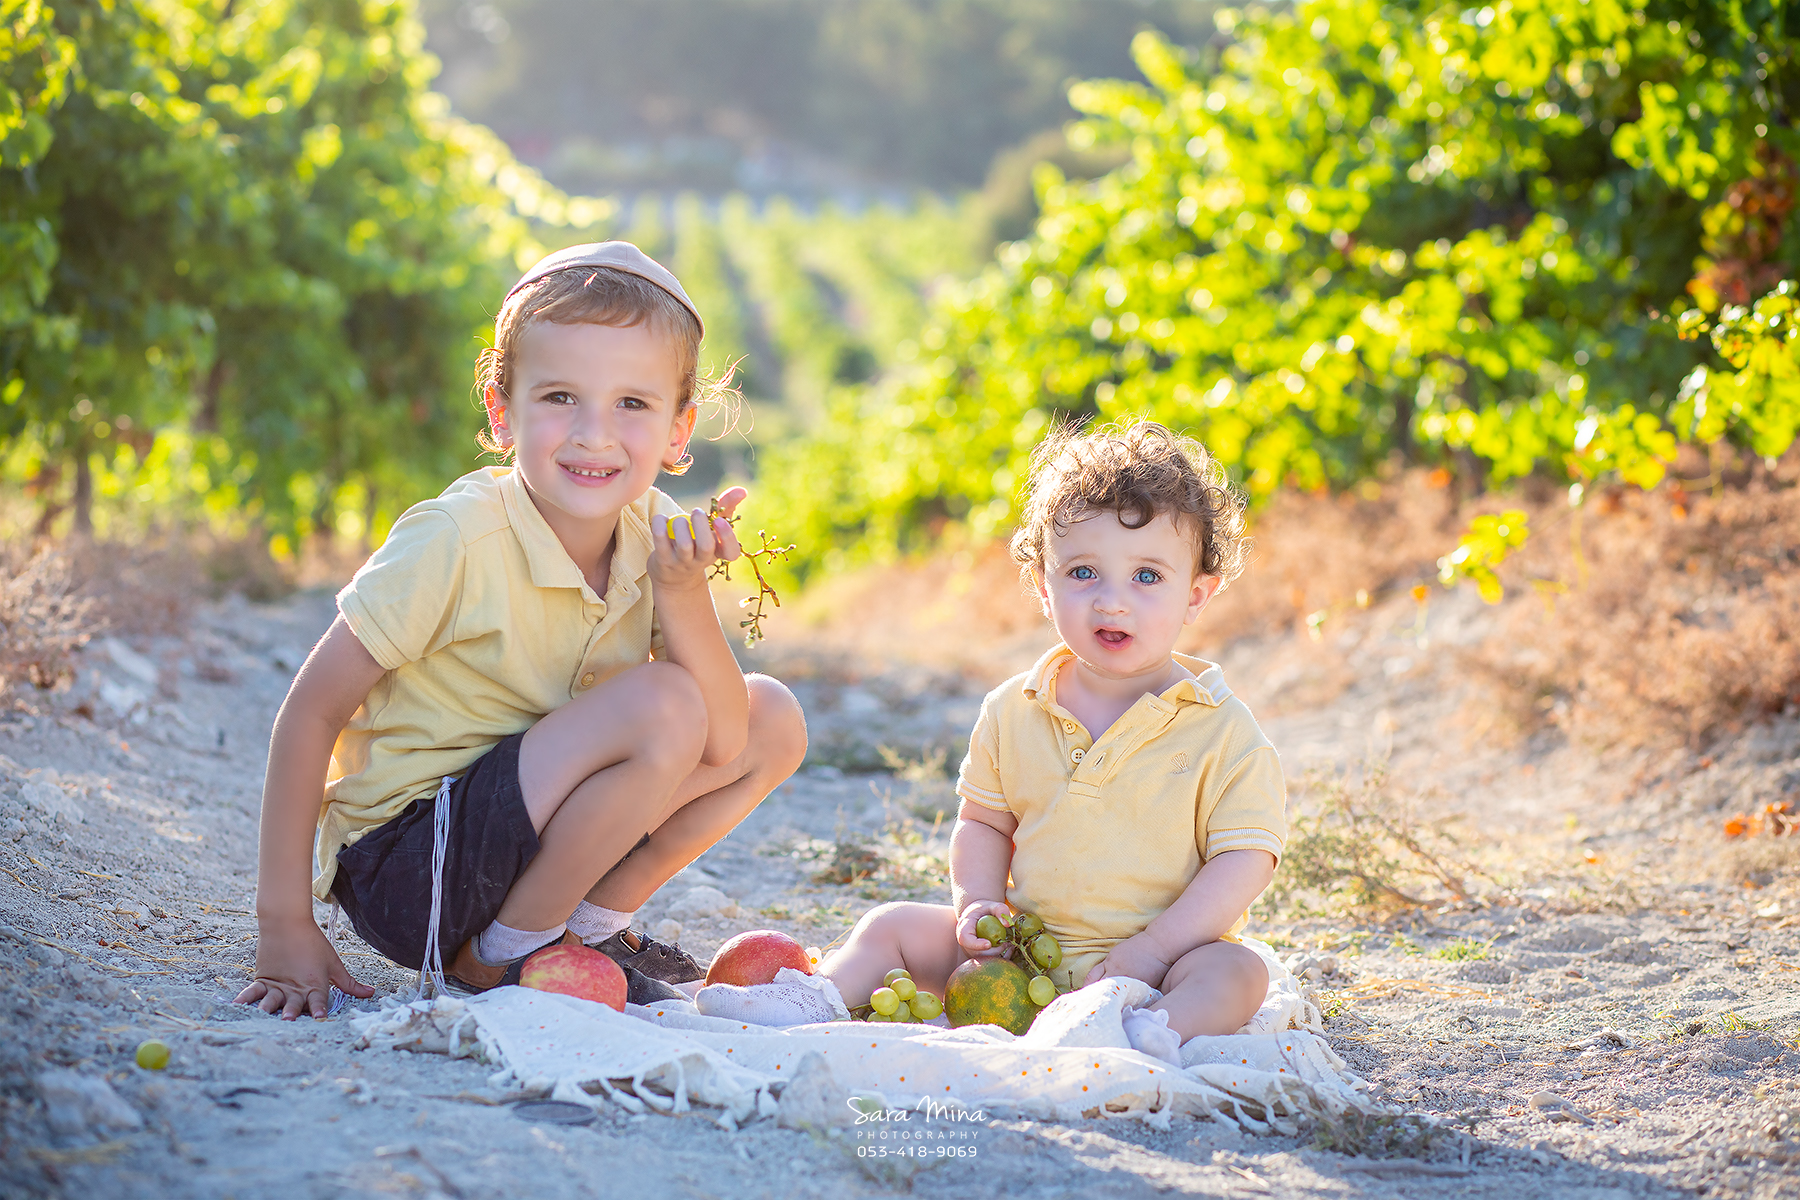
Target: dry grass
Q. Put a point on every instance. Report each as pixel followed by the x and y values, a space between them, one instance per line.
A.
pixel 1357 844
pixel 56 597
pixel 44 618
pixel 1681 620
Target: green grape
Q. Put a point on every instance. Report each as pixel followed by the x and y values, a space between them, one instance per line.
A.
pixel 925 1006
pixel 896 973
pixel 1046 951
pixel 904 987
pixel 904 1012
pixel 875 1016
pixel 1041 990
pixel 153 1055
pixel 885 1001
pixel 990 929
pixel 1027 927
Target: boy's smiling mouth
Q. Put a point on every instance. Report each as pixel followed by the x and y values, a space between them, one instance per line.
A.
pixel 1114 639
pixel 589 475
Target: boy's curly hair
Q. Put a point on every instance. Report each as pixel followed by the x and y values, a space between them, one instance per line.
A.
pixel 602 296
pixel 1139 471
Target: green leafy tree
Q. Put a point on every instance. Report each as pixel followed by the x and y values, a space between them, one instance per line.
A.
pixel 261 255
pixel 1367 231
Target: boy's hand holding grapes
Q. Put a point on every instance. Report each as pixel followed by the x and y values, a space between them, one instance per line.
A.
pixel 683 554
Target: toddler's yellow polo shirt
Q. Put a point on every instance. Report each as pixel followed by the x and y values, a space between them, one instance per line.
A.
pixel 484 624
pixel 1112 832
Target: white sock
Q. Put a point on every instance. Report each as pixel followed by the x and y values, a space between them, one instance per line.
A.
pixel 500 944
pixel 592 923
pixel 1147 1029
pixel 794 998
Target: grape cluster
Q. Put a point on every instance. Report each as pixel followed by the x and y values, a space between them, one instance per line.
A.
pixel 899 999
pixel 770 550
pixel 1026 943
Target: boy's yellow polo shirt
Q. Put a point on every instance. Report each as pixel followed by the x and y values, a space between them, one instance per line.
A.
pixel 484 624
pixel 1112 832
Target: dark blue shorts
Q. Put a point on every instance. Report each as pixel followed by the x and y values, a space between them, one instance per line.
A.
pixel 383 879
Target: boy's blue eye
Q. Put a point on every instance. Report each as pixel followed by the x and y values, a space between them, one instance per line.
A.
pixel 1083 573
pixel 1146 575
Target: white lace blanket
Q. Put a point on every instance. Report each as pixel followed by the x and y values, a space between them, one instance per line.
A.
pixel 1075 1061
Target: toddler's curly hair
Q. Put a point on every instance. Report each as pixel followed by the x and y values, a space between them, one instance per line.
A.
pixel 1139 471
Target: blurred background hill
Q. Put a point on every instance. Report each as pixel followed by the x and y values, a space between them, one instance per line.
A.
pixel 809 99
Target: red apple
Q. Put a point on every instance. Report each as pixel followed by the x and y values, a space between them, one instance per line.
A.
pixel 576 971
pixel 754 957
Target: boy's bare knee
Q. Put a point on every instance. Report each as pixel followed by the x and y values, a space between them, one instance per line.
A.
pixel 777 725
pixel 666 697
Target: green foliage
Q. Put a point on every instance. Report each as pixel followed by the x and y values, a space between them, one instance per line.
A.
pixel 1464 950
pixel 1759 400
pixel 264 253
pixel 1487 543
pixel 1367 230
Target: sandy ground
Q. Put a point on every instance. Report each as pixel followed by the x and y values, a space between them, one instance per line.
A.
pixel 1613 1012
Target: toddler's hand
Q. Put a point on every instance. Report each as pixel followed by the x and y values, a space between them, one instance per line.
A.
pixel 1136 957
pixel 973 911
pixel 686 546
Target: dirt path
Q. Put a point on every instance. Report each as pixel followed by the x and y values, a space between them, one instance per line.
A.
pixel 1617 1018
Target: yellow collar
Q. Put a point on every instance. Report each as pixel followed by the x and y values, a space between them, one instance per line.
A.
pixel 551 566
pixel 1206 684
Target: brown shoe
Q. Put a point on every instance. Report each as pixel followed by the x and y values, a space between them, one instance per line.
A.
pixel 468 976
pixel 659 960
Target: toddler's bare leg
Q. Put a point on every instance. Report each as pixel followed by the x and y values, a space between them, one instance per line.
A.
pixel 919 937
pixel 1213 989
pixel 597 775
pixel 710 802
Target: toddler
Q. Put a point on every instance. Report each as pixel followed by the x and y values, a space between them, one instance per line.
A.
pixel 1117 789
pixel 526 716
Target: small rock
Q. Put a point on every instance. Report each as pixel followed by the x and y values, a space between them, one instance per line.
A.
pixel 699 902
pixel 130 661
pixel 666 930
pixel 79 1105
pixel 44 794
pixel 15 830
pixel 814 1099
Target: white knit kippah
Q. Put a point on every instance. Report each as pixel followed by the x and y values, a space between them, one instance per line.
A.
pixel 619 256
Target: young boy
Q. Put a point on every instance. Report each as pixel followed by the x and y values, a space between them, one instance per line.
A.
pixel 1117 789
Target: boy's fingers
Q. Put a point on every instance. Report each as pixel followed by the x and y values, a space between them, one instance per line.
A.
pixel 348 984
pixel 1098 972
pixel 672 528
pixel 251 994
pixel 702 532
pixel 730 498
pixel 729 546
pixel 296 1003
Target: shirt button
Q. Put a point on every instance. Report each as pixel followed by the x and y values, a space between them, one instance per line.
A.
pixel 587 680
pixel 1077 754
pixel 1068 727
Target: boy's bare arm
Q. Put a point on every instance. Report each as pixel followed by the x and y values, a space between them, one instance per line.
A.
pixel 295 963
pixel 1205 911
pixel 692 638
pixel 981 850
